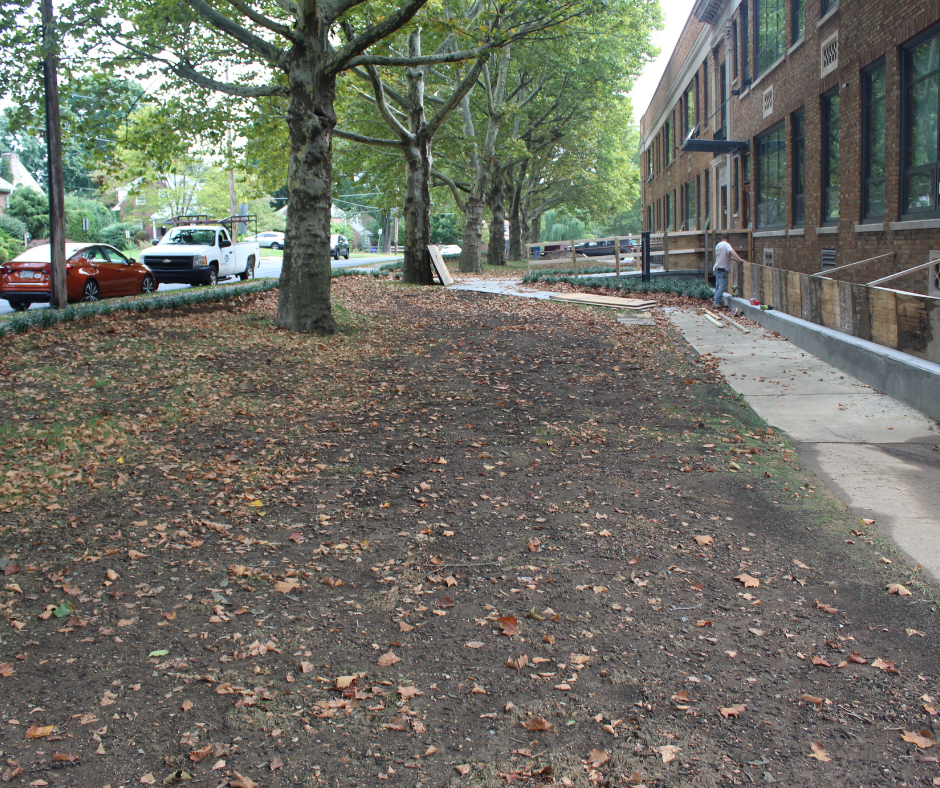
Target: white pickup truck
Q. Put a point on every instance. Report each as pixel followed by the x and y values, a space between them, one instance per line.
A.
pixel 201 254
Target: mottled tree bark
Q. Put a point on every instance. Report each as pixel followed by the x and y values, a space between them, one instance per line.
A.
pixel 304 292
pixel 417 209
pixel 516 248
pixel 496 252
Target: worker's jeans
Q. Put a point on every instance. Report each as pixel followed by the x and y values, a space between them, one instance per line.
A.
pixel 721 284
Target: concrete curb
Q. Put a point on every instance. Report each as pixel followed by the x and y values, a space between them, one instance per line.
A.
pixel 907 378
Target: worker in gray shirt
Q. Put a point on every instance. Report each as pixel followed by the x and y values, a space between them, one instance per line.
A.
pixel 724 253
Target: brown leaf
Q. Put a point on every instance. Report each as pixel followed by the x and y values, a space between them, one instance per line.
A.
pixel 463 768
pixel 668 752
pixel 701 541
pixel 148 779
pixel 534 544
pixel 35 731
pixel 857 658
pixel 201 754
pixel 897 588
pixel 429 751
pixel 819 752
pixel 826 608
pixel 65 757
pixel 409 692
pixel 276 763
pixel 186 705
pixel 885 665
pixel 240 781
pixel 597 758
pixel 519 662
pixel 747 580
pixel 732 711
pixel 9 774
pixel 306 667
pixel 389 659
pixel 537 724
pixel 474 644
pixel 817 702
pixel 681 697
pixel 398 723
pixel 403 627
pixel 923 740
pixel 510 625
pixel 821 661
pixel 6 669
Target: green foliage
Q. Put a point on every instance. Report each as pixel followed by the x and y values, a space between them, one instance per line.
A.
pixel 175 299
pixel 31 208
pixel 6 170
pixel 559 225
pixel 693 288
pixel 10 246
pixel 98 214
pixel 12 226
pixel 446 228
pixel 116 234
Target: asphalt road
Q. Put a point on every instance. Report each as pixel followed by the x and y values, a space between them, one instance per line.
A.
pixel 269 267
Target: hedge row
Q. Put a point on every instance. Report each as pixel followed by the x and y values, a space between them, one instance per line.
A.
pixel 693 288
pixel 175 299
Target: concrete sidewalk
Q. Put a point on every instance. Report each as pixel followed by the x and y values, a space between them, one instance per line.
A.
pixel 881 457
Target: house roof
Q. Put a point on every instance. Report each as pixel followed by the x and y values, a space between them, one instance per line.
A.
pixel 5 186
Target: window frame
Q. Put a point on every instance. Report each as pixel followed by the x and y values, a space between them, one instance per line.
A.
pixel 761 35
pixel 798 170
pixel 777 128
pixel 745 45
pixel 669 211
pixel 797 20
pixel 906 59
pixel 825 121
pixel 867 179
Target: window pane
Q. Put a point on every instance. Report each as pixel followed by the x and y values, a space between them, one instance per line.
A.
pixel 923 122
pixel 926 58
pixel 830 157
pixel 799 18
pixel 799 169
pixel 772 180
pixel 919 192
pixel 771 32
pixel 876 198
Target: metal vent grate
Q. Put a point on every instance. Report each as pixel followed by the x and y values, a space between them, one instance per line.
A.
pixel 769 102
pixel 769 258
pixel 829 54
pixel 828 258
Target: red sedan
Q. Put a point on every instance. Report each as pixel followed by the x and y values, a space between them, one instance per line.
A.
pixel 92 272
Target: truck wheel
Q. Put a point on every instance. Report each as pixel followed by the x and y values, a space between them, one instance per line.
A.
pixel 249 272
pixel 213 276
pixel 347 254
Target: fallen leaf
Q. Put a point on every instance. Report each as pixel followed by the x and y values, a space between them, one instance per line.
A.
pixel 597 758
pixel 398 723
pixel 817 702
pixel 821 661
pixel 148 779
pixel 732 711
pixel 276 763
pixel 826 608
pixel 6 669
pixel 186 705
pixel 668 752
pixel 463 768
pixel 510 625
pixel 819 752
pixel 65 757
pixel 747 580
pixel 701 541
pixel 897 588
pixel 201 754
pixel 800 564
pixel 519 662
pixel 35 731
pixel 534 544
pixel 885 665
pixel 240 781
pixel 389 659
pixel 857 658
pixel 429 751
pixel 923 740
pixel 537 724
pixel 474 644
pixel 409 692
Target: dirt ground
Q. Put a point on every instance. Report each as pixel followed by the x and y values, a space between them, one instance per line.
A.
pixel 468 541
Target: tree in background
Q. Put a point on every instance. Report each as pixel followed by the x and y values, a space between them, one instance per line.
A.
pixel 446 228
pixel 31 208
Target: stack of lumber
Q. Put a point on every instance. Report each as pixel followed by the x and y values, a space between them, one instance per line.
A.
pixel 602 300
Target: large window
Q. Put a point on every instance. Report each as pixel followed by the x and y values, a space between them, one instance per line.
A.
pixel 745 67
pixel 772 178
pixel 771 32
pixel 722 96
pixel 873 144
pixel 706 109
pixel 691 206
pixel 799 168
pixel 798 8
pixel 826 6
pixel 830 157
pixel 668 147
pixel 669 212
pixel 921 127
pixel 689 110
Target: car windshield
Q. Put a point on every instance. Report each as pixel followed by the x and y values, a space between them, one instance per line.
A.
pixel 187 236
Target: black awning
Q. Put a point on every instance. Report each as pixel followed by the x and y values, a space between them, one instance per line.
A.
pixel 714 146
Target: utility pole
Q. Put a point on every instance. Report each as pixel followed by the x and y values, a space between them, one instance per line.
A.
pixel 59 295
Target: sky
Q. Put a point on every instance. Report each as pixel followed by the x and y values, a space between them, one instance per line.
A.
pixel 675 13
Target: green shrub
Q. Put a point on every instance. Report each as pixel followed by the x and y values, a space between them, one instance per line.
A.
pixel 97 213
pixel 10 246
pixel 12 226
pixel 692 288
pixel 116 234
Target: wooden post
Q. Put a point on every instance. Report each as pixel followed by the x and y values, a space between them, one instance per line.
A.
pixel 617 254
pixel 59 294
pixel 574 258
pixel 750 247
pixel 665 250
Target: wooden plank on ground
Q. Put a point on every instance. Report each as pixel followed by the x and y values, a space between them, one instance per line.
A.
pixel 602 300
pixel 440 266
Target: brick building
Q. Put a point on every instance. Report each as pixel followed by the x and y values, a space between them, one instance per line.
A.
pixel 813 123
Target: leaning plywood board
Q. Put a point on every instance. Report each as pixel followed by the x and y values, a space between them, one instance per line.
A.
pixel 602 300
pixel 440 266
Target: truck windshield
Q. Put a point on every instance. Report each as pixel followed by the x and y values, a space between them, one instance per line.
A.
pixel 188 236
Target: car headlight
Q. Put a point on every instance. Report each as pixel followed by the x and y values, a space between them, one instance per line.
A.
pixel 199 259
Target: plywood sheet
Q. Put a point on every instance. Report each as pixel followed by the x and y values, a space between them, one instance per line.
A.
pixel 884 317
pixel 794 295
pixel 914 324
pixel 440 266
pixel 767 291
pixel 846 309
pixel 829 303
pixel 602 300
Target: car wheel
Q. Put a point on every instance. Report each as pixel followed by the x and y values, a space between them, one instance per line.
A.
pixel 20 306
pixel 90 291
pixel 275 246
pixel 213 276
pixel 335 255
pixel 148 285
pixel 249 272
pixel 347 254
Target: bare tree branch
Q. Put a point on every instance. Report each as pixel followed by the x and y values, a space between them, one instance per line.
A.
pixel 188 73
pixel 261 19
pixel 461 90
pixel 372 35
pixel 425 60
pixel 384 109
pixel 349 135
pixel 455 188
